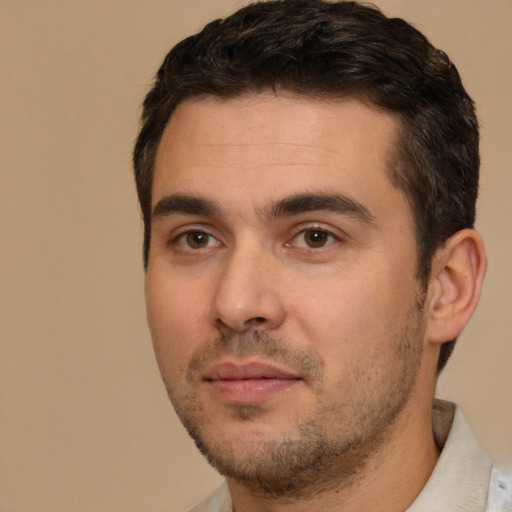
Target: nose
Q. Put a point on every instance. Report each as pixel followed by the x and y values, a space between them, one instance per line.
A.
pixel 247 294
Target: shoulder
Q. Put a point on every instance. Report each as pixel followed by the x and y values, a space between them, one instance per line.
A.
pixel 500 492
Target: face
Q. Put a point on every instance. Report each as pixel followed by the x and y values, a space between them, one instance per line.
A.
pixel 281 291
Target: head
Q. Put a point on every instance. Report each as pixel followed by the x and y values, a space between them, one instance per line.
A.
pixel 306 170
pixel 336 50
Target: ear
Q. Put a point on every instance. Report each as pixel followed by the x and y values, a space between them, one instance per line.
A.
pixel 458 270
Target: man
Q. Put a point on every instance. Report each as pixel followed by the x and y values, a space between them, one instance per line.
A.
pixel 307 173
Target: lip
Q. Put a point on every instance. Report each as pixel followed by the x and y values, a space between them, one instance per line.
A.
pixel 249 383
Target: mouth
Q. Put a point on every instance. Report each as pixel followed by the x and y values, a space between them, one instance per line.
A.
pixel 249 383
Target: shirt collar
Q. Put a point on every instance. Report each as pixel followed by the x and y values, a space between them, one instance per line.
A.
pixel 460 479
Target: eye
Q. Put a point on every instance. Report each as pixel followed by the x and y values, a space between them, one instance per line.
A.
pixel 196 240
pixel 313 239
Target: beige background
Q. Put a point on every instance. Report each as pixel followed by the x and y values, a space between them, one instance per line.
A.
pixel 84 421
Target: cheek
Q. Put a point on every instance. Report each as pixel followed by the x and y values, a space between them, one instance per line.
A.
pixel 338 305
pixel 344 317
pixel 174 318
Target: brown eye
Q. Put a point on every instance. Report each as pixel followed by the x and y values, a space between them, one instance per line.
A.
pixel 313 239
pixel 197 240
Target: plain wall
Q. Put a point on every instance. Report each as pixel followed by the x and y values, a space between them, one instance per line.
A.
pixel 85 424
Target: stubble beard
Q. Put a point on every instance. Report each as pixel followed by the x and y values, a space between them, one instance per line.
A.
pixel 316 457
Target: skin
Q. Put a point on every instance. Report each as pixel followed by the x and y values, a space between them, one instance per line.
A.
pixel 278 241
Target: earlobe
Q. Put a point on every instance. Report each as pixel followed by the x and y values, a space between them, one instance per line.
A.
pixel 458 270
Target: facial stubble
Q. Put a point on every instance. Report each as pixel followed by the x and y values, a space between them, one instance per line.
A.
pixel 315 455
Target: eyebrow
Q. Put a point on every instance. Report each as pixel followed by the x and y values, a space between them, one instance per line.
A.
pixel 181 204
pixel 308 202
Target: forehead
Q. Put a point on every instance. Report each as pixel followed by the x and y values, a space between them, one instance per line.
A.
pixel 265 143
pixel 241 119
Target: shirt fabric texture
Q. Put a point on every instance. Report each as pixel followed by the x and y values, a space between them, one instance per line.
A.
pixel 464 479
